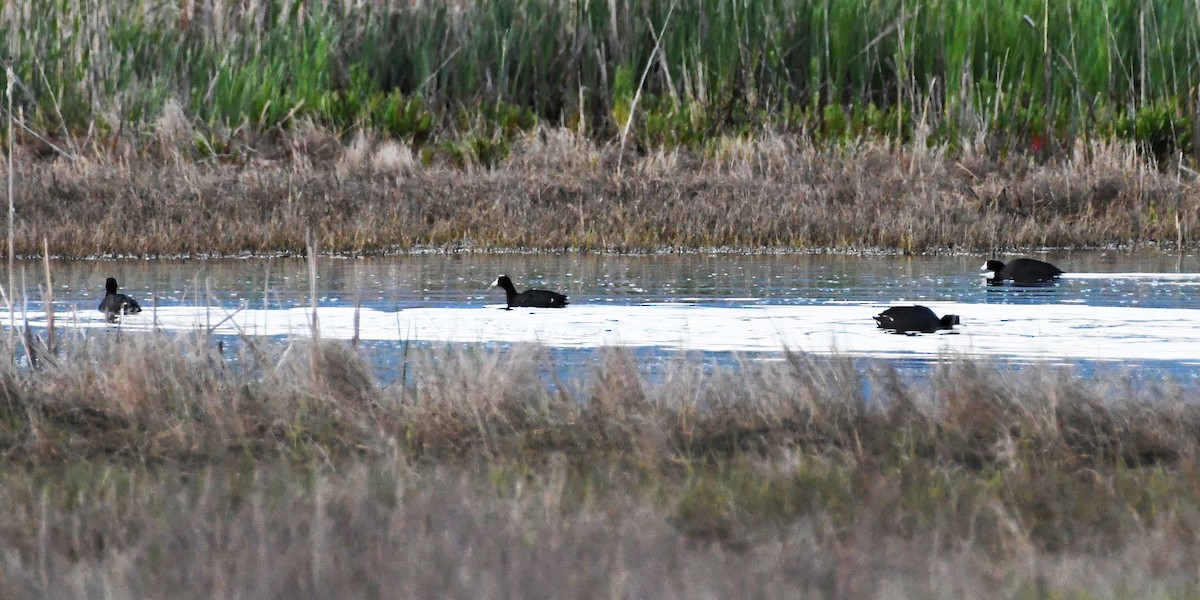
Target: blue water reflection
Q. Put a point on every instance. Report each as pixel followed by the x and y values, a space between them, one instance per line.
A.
pixel 462 280
pixel 1094 278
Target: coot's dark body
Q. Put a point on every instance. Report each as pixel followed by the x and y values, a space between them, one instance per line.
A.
pixel 529 298
pixel 1022 270
pixel 912 319
pixel 114 305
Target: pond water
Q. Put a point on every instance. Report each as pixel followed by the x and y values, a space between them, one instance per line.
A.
pixel 1139 310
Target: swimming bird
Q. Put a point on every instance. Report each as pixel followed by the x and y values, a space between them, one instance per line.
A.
pixel 113 305
pixel 911 319
pixel 529 298
pixel 1022 270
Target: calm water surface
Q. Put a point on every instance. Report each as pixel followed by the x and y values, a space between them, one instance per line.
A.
pixel 462 280
pixel 1096 278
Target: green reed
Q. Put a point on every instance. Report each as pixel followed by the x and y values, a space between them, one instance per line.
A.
pixel 1026 71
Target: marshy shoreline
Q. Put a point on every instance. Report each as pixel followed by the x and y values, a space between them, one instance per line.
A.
pixel 560 192
pixel 142 464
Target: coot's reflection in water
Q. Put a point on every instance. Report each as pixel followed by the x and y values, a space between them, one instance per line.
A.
pixel 1043 292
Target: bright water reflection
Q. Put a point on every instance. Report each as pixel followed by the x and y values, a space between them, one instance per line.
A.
pixel 460 281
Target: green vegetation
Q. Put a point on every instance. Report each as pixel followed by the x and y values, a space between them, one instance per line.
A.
pixel 451 78
pixel 626 125
pixel 153 465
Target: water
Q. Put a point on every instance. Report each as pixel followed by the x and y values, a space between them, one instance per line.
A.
pixel 462 280
pixel 1137 309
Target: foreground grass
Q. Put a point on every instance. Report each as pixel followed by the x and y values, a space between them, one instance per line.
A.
pixel 165 469
pixel 558 191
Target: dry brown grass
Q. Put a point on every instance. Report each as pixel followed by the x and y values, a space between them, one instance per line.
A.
pixel 156 398
pixel 151 466
pixel 558 191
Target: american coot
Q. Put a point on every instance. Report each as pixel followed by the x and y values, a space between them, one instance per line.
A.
pixel 911 319
pixel 114 304
pixel 1022 270
pixel 529 298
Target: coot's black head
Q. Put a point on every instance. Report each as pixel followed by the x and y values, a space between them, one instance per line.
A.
pixel 110 285
pixel 503 282
pixel 994 266
pixel 949 321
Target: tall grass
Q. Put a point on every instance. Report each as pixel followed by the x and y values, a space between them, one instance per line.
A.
pixel 1031 73
pixel 152 465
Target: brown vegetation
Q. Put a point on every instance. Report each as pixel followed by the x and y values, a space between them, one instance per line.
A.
pixel 153 466
pixel 558 191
